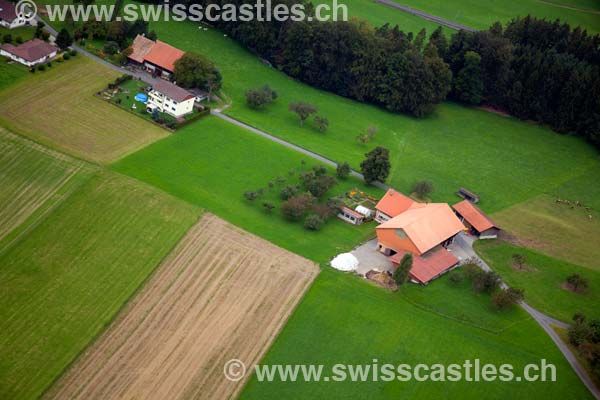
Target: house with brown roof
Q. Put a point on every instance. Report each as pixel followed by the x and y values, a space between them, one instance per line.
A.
pixel 423 229
pixel 156 57
pixel 171 99
pixel 476 220
pixel 8 15
pixel 30 53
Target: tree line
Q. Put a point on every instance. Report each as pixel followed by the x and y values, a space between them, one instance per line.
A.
pixel 534 69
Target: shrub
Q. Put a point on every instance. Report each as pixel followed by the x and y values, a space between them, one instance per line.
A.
pixel 470 269
pixel 41 67
pixel 49 64
pixel 60 59
pixel 250 195
pixel 289 191
pixel 19 39
pixel 110 48
pixel 343 170
pixel 32 70
pixel 423 189
pixel 66 56
pixel 268 207
pixel 324 211
pixel 7 38
pixel 313 222
pixel 319 170
pixel 73 53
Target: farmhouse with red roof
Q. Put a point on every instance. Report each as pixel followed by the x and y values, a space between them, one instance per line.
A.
pixel 156 57
pixel 425 230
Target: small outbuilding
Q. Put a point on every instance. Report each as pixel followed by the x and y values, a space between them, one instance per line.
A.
pixel 476 220
pixel 351 216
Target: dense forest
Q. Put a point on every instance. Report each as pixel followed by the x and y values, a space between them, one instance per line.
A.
pixel 532 68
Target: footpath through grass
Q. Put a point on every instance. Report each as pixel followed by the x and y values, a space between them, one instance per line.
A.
pixel 543 279
pixel 66 280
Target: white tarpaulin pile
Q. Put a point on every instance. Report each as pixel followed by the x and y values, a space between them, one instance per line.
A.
pixel 345 262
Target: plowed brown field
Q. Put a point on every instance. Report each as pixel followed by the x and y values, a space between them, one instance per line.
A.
pixel 221 294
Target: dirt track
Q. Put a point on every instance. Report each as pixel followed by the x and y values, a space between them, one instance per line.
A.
pixel 221 294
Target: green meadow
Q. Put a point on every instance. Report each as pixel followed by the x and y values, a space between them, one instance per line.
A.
pixel 481 14
pixel 345 320
pixel 543 279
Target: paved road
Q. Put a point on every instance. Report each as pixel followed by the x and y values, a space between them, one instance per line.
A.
pixel 424 15
pixel 465 243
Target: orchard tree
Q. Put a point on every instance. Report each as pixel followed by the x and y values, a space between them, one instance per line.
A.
pixel 303 110
pixel 260 97
pixel 423 189
pixel 376 166
pixel 322 123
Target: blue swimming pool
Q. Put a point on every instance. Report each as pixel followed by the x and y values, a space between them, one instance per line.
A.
pixel 141 97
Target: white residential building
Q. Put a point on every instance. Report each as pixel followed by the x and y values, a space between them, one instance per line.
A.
pixel 171 99
pixel 8 15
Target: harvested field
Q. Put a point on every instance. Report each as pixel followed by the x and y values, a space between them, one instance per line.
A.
pixel 222 294
pixel 58 108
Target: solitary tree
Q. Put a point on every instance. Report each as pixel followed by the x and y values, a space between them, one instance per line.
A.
pixel 376 166
pixel 577 282
pixel 303 110
pixel 322 123
pixel 402 272
pixel 64 39
pixel 260 97
pixel 518 260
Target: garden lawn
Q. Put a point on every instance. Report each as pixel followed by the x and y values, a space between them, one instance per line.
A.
pixel 481 14
pixel 557 229
pixel 455 146
pixel 344 319
pixel 543 278
pixel 24 32
pixel 211 163
pixel 58 108
pixel 66 280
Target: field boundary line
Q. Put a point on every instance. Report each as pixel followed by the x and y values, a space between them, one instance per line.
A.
pixel 127 301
